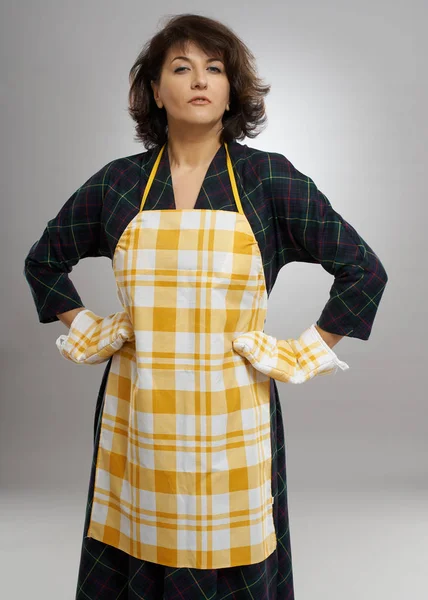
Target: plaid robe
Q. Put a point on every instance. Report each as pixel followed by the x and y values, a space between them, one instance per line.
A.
pixel 292 221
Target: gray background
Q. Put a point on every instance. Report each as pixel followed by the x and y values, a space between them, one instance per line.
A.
pixel 348 108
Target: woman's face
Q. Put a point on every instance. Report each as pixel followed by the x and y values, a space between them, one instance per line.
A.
pixel 189 74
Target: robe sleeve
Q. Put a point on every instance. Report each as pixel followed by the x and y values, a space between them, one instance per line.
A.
pixel 309 229
pixel 75 233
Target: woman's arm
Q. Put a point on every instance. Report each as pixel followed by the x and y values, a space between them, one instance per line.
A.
pixel 75 233
pixel 331 339
pixel 308 229
pixel 68 317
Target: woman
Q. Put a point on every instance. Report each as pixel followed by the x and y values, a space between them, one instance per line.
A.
pixel 188 497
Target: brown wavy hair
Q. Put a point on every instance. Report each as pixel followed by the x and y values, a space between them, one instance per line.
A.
pixel 247 112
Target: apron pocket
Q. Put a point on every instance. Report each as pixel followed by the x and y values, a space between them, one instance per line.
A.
pixel 93 339
pixel 289 361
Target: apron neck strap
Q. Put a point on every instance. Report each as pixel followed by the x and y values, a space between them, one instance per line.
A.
pixel 229 168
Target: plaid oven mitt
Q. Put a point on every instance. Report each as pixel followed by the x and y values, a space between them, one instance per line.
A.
pixel 289 361
pixel 93 339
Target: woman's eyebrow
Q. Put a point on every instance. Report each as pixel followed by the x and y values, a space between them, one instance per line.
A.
pixel 190 60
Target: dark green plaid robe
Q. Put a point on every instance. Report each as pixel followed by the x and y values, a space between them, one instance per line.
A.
pixel 292 221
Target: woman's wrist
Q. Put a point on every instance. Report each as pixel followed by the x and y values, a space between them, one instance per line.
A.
pixel 330 339
pixel 68 317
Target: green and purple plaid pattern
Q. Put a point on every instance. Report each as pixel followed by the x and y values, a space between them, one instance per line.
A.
pixel 292 221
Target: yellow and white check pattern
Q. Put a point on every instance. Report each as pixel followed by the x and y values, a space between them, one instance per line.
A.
pixel 92 339
pixel 289 361
pixel 183 470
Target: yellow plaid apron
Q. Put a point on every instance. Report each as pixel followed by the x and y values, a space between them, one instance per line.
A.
pixel 183 468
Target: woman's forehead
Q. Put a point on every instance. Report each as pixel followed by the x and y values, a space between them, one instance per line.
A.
pixel 189 48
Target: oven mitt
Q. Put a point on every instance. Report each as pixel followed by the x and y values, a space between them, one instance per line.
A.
pixel 93 339
pixel 289 361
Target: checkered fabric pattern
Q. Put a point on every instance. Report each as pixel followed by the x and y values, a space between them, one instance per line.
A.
pixel 184 465
pixel 289 361
pixel 92 339
pixel 105 572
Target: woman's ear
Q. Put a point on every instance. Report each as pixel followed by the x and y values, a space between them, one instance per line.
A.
pixel 154 87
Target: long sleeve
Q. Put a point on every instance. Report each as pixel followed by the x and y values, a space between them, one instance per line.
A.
pixel 74 233
pixel 308 229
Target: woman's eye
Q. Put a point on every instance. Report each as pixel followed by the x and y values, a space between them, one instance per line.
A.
pixel 180 68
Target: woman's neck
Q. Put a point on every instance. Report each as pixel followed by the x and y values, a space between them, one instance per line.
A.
pixel 190 154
